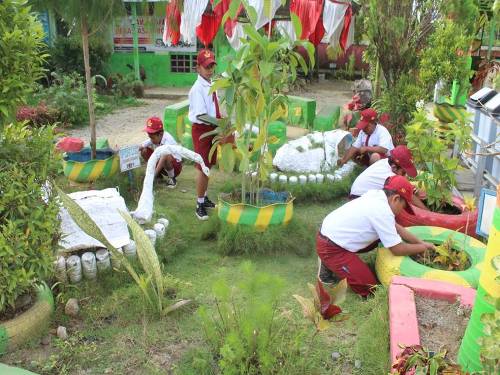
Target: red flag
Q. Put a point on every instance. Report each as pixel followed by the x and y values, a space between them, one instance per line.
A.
pixel 309 12
pixel 318 33
pixel 207 29
pixel 172 25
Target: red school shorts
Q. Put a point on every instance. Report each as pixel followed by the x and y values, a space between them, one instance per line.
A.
pixel 347 265
pixel 202 146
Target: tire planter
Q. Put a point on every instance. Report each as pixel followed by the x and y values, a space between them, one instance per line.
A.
pixel 435 219
pixel 79 168
pixel 388 265
pixel 29 324
pixel 259 217
pixel 448 113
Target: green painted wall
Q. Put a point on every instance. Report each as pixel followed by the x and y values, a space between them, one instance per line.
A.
pixel 157 68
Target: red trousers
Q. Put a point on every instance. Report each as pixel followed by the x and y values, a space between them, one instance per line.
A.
pixel 347 265
pixel 176 165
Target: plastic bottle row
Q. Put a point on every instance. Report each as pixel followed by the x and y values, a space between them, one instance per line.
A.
pixel 314 178
pixel 91 263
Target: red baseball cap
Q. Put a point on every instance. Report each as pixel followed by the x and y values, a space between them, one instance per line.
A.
pixel 205 58
pixel 153 125
pixel 402 157
pixel 401 186
pixel 367 116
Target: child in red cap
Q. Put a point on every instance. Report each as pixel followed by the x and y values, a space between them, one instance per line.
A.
pixel 399 162
pixel 202 102
pixel 169 165
pixel 373 143
pixel 358 226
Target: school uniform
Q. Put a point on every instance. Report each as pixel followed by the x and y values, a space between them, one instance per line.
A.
pixel 380 137
pixel 356 227
pixel 372 178
pixel 202 102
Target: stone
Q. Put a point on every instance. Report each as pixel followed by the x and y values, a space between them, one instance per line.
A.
pixel 72 309
pixel 46 340
pixel 62 333
pixel 357 363
pixel 183 191
pixel 335 356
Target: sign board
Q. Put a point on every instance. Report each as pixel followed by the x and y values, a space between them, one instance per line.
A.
pixel 130 158
pixel 150 36
pixel 487 204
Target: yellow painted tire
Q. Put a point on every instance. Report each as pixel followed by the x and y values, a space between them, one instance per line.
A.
pixel 388 265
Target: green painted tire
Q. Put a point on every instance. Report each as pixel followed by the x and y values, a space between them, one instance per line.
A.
pixel 388 265
pixel 9 370
pixel 29 324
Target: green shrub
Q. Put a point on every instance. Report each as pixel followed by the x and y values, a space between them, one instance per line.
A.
pixel 21 42
pixel 246 332
pixel 66 56
pixel 29 227
pixel 67 96
pixel 296 238
pixel 128 86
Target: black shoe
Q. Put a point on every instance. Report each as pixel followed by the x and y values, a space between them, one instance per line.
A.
pixel 325 275
pixel 208 203
pixel 201 212
pixel 171 182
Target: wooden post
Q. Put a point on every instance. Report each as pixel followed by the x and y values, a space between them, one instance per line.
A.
pixel 135 38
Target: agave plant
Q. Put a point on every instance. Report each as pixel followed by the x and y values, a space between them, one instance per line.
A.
pixel 255 83
pixel 152 281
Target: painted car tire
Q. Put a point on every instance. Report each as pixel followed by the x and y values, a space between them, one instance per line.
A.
pixel 29 324
pixel 435 219
pixel 388 265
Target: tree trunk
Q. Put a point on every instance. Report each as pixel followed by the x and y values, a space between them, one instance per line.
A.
pixel 88 81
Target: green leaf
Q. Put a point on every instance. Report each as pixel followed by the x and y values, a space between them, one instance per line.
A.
pixel 297 25
pixel 228 158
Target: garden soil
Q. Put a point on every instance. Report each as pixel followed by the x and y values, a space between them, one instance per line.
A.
pixel 441 324
pixel 124 126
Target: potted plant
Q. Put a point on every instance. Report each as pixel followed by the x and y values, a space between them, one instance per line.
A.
pixel 255 83
pixel 437 177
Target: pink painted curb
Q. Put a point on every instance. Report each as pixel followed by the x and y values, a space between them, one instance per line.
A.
pixel 403 324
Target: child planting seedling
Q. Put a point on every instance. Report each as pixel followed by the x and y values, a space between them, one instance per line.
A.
pixel 444 257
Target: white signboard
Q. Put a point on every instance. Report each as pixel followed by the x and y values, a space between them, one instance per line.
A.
pixel 150 34
pixel 130 158
pixel 487 204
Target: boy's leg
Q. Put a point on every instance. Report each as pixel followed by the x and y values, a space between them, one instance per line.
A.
pixel 346 264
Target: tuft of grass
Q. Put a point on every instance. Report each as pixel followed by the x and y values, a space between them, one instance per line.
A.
pixel 372 343
pixel 295 238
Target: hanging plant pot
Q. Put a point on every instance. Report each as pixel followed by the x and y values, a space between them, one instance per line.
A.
pixel 28 325
pixel 274 213
pixel 436 219
pixel 79 167
pixel 388 265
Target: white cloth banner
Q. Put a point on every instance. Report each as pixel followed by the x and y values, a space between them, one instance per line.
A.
pixel 238 33
pixel 102 206
pixel 333 22
pixel 144 211
pixel 262 18
pixel 191 18
pixel 286 28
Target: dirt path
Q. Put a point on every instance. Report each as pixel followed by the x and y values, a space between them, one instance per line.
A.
pixel 124 126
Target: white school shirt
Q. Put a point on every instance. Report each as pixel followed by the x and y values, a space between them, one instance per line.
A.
pixel 167 139
pixel 380 137
pixel 200 100
pixel 372 178
pixel 362 221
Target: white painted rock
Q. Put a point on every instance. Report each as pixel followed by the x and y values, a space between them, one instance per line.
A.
pixel 159 229
pixel 164 221
pixel 151 235
pixel 311 178
pixel 283 179
pixel 302 179
pixel 330 177
pixel 130 250
pixel 293 180
pixel 273 177
pixel 62 333
pixel 319 178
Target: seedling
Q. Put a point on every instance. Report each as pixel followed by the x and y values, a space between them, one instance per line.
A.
pixel 418 360
pixel 445 257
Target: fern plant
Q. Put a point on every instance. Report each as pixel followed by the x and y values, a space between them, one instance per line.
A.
pixel 152 281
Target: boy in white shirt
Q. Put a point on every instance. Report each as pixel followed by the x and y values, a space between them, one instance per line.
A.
pixel 373 178
pixel 168 165
pixel 358 226
pixel 373 143
pixel 201 102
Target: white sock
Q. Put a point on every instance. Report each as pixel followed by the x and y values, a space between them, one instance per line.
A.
pixel 171 173
pixel 201 200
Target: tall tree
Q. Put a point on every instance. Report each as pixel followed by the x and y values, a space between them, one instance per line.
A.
pixel 90 17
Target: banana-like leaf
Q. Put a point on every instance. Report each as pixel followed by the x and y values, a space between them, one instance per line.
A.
pixel 297 25
pixel 147 256
pixel 176 306
pixel 228 158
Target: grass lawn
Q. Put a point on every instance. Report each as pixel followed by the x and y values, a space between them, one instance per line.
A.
pixel 115 333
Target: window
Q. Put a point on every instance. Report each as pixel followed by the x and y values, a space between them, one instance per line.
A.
pixel 182 63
